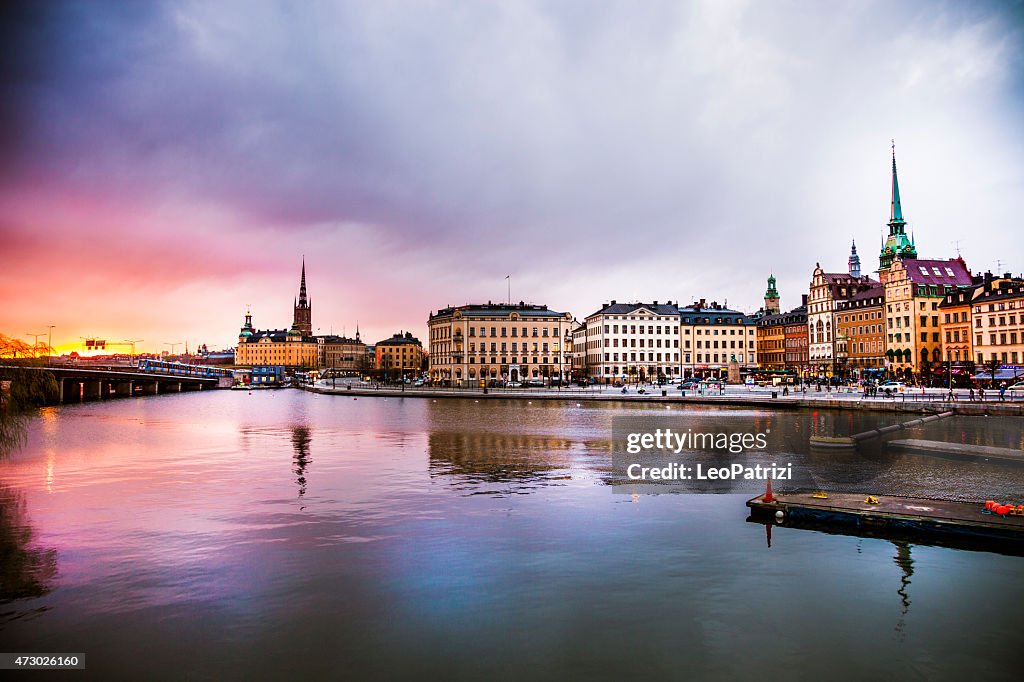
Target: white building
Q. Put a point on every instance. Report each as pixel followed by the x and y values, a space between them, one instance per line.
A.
pixel 635 341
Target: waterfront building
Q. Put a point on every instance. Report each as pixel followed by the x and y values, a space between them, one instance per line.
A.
pixel 633 342
pixel 344 355
pixel 712 336
pixel 578 351
pixel 297 347
pixel 914 288
pixel 955 330
pixel 512 342
pixel 399 355
pixel 796 340
pixel 997 311
pixel 771 342
pixel 827 291
pixel 860 331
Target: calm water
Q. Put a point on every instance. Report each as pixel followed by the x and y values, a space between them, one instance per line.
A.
pixel 281 535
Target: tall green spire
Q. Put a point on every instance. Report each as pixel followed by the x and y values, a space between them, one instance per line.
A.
pixel 897 245
pixel 896 217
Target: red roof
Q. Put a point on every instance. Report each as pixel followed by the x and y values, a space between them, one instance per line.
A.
pixel 952 272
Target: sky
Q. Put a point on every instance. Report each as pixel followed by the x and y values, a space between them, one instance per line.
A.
pixel 163 166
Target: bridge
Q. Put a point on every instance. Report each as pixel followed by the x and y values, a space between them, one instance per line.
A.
pixel 77 384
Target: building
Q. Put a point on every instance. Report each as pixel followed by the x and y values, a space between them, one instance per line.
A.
pixel 399 355
pixel 512 342
pixel 827 291
pixel 771 342
pixel 712 336
pixel 998 324
pixel 632 342
pixel 914 288
pixel 343 355
pixel 796 341
pixel 860 332
pixel 578 352
pixel 297 347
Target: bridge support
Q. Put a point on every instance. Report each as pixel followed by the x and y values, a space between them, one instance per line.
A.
pixel 123 388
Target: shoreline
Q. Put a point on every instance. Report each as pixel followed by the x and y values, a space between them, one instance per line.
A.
pixel 780 403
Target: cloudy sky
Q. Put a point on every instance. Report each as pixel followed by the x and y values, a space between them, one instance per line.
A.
pixel 163 165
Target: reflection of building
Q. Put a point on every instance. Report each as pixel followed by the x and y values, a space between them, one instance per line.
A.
pixel 401 354
pixel 913 290
pixel 860 330
pixel 638 341
pixel 713 336
pixel 497 341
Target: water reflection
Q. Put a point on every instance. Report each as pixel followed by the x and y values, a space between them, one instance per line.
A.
pixel 301 438
pixel 906 564
pixel 26 571
pixel 519 462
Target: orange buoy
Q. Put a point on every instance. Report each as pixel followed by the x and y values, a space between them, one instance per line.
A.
pixel 1002 510
pixel 989 504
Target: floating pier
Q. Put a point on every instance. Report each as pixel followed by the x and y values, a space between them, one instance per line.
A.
pixel 890 515
pixel 958 451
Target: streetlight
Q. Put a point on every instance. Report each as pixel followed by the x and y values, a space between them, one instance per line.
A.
pixel 132 342
pixel 172 345
pixel 35 341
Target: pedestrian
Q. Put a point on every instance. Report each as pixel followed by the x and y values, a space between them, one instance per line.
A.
pixel 970 397
pixel 1002 391
pixel 981 393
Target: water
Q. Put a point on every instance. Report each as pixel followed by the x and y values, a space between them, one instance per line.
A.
pixel 284 535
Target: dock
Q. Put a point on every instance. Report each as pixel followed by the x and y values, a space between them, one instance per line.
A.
pixel 892 515
pixel 958 451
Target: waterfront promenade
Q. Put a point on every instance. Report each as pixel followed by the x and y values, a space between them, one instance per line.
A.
pixel 913 400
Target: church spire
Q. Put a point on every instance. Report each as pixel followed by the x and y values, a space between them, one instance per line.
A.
pixel 854 261
pixel 302 284
pixel 896 216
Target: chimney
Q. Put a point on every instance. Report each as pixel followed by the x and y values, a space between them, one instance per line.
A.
pixel 803 298
pixel 656 303
pixel 613 301
pixel 703 303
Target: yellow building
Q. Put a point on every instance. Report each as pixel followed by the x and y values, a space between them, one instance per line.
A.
pixel 914 288
pixel 998 325
pixel 509 342
pixel 402 354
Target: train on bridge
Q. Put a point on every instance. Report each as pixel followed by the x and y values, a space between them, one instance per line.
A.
pixel 180 369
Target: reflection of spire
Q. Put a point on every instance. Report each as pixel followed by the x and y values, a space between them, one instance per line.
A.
pixel 300 441
pixel 906 564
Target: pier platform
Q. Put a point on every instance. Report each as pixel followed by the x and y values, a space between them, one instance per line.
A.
pixel 893 515
pixel 958 451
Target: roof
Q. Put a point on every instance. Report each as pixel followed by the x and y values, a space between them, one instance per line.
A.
pixel 492 309
pixel 952 272
pixel 615 308
pixel 400 340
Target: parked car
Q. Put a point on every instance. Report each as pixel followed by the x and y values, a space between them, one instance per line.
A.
pixel 535 382
pixel 892 387
pixel 513 384
pixel 1017 387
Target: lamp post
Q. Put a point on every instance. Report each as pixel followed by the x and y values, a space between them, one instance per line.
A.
pixel 35 341
pixel 173 345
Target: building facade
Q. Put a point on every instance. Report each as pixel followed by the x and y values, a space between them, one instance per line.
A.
pixel 860 332
pixel 997 311
pixel 796 341
pixel 490 341
pixel 712 336
pixel 771 342
pixel 914 288
pixel 632 342
pixel 400 355
pixel 827 291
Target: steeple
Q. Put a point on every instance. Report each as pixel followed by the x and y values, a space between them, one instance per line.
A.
pixel 896 215
pixel 897 245
pixel 854 261
pixel 302 321
pixel 771 296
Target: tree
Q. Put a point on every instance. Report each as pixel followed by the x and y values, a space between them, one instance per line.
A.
pixel 23 387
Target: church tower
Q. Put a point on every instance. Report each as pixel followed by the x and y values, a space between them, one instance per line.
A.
pixel 303 319
pixel 854 261
pixel 897 245
pixel 771 297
